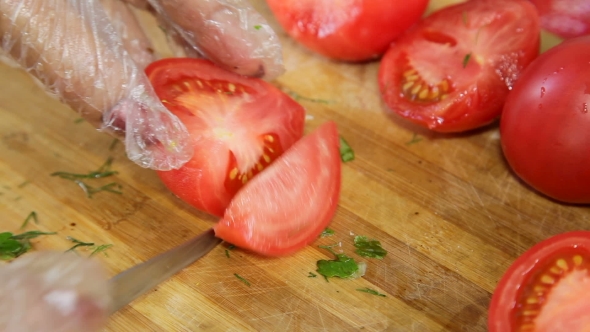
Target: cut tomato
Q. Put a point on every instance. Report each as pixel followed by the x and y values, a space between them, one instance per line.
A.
pixel 453 70
pixel 351 30
pixel 288 205
pixel 566 18
pixel 546 289
pixel 239 125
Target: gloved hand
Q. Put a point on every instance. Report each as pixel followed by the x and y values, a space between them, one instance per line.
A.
pixel 91 54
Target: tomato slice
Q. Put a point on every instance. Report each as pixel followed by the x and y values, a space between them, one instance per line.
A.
pixel 239 125
pixel 288 205
pixel 546 289
pixel 566 18
pixel 453 70
pixel 351 30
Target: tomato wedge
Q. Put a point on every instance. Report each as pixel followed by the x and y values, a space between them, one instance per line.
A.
pixel 350 30
pixel 239 125
pixel 288 205
pixel 453 70
pixel 546 289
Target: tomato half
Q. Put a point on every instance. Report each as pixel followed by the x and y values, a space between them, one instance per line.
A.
pixel 239 125
pixel 288 205
pixel 351 30
pixel 545 289
pixel 452 71
pixel 566 18
pixel 545 125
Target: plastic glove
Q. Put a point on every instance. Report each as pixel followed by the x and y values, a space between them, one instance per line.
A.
pixel 94 63
pixel 53 292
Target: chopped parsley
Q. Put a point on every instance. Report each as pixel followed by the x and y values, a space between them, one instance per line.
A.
pixel 327 232
pixel 91 245
pixel 242 279
pixel 415 139
pixel 101 248
pixel 258 27
pixel 342 267
pixel 466 59
pixel 369 248
pixel 103 172
pixel 370 291
pixel 12 246
pixel 346 153
pixel 31 216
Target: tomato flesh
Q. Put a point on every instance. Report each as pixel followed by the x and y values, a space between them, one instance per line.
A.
pixel 350 30
pixel 566 18
pixel 288 205
pixel 239 126
pixel 545 124
pixel 545 289
pixel 453 70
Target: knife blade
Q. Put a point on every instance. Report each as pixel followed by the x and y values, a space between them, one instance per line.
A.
pixel 138 280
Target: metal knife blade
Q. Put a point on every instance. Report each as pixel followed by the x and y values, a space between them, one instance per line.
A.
pixel 136 281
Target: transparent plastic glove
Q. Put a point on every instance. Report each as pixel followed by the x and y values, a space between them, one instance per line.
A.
pixel 72 48
pixel 53 292
pixel 230 33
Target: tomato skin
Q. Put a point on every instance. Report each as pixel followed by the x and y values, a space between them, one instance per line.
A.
pixel 287 206
pixel 453 70
pixel 545 125
pixel 234 121
pixel 515 279
pixel 351 30
pixel 566 18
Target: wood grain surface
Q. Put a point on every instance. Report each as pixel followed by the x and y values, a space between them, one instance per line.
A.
pixel 446 207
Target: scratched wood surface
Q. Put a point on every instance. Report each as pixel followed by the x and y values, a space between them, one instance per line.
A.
pixel 447 208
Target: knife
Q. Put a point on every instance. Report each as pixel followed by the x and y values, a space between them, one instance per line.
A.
pixel 138 280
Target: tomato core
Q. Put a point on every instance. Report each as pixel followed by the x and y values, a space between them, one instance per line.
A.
pixel 235 179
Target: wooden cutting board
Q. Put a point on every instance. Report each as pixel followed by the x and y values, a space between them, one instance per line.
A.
pixel 447 208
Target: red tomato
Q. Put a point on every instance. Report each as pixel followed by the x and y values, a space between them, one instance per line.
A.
pixel 351 30
pixel 288 205
pixel 545 289
pixel 566 18
pixel 545 125
pixel 239 125
pixel 452 71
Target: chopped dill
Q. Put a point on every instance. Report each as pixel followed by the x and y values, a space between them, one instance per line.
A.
pixel 466 59
pixel 242 279
pixel 31 216
pixel 415 139
pixel 370 291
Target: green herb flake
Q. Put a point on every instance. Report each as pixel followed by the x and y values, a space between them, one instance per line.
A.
pixel 79 120
pixel 327 232
pixel 370 291
pixel 312 275
pixel 258 27
pixel 227 253
pixel 12 246
pixel 466 59
pixel 103 172
pixel 346 153
pixel 299 97
pixel 113 144
pixel 22 185
pixel 31 216
pixel 112 187
pixel 342 267
pixel 242 279
pixel 369 248
pixel 101 248
pixel 415 139
pixel 78 243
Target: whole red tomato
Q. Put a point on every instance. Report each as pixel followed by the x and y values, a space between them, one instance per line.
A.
pixel 351 30
pixel 545 125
